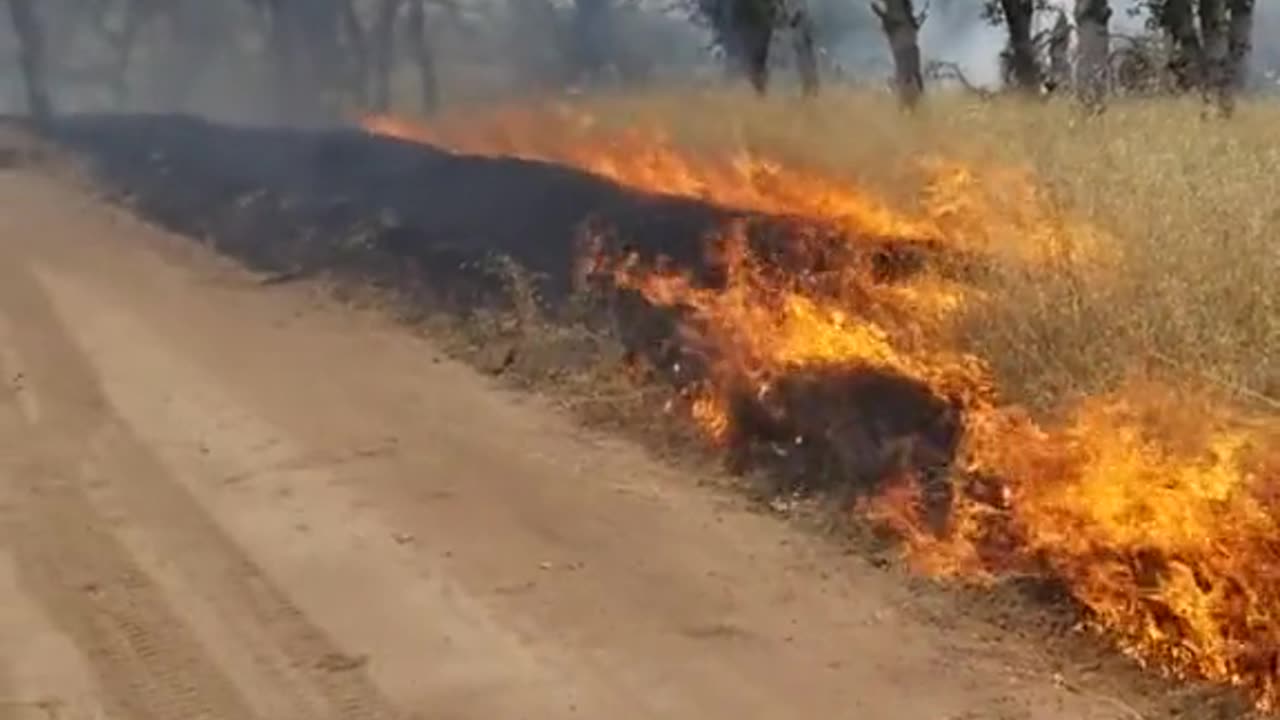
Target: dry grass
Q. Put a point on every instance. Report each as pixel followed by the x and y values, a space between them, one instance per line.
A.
pixel 1188 276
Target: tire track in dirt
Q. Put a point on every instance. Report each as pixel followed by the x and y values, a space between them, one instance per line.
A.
pixel 430 645
pixel 110 587
pixel 147 663
pixel 48 677
pixel 289 668
pixel 245 472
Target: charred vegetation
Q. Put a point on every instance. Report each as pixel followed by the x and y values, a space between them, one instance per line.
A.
pixel 421 222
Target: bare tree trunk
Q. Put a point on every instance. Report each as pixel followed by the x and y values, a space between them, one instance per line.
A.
pixel 309 56
pixel 358 69
pixel 745 29
pixel 806 51
pixel 1217 53
pixel 902 29
pixel 382 42
pixel 540 66
pixel 1060 54
pixel 1023 64
pixel 1093 19
pixel 32 59
pixel 1187 60
pixel 756 42
pixel 1240 42
pixel 420 47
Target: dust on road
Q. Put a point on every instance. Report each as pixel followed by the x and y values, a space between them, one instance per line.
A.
pixel 224 501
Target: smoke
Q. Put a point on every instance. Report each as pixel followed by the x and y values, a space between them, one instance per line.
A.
pixel 956 32
pixel 195 56
pixel 213 58
pixel 10 79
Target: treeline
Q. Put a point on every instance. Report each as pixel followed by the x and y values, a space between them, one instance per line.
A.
pixel 327 55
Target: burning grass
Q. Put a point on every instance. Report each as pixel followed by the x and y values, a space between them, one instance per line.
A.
pixel 1175 210
pixel 1104 361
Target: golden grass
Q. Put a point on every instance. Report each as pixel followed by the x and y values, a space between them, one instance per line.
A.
pixel 1188 280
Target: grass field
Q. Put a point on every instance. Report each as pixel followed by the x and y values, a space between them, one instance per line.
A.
pixel 1183 207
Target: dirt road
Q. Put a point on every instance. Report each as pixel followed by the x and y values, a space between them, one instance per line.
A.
pixel 219 500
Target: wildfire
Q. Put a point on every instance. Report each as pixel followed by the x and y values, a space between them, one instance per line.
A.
pixel 1155 506
pixel 1000 212
pixel 1159 513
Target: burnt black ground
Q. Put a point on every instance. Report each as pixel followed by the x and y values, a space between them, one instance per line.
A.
pixel 407 200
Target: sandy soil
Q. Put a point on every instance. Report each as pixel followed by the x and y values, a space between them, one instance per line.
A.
pixel 219 500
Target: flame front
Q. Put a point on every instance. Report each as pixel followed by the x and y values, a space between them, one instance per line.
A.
pixel 1155 504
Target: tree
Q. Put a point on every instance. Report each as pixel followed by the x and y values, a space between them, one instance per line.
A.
pixel 355 40
pixel 1059 54
pixel 1021 56
pixel 806 51
pixel 1240 41
pixel 318 51
pixel 1214 56
pixel 1186 58
pixel 1020 60
pixel 381 40
pixel 285 48
pixel 382 44
pixel 1217 58
pixel 31 58
pixel 423 56
pixel 902 29
pixel 1093 19
pixel 745 31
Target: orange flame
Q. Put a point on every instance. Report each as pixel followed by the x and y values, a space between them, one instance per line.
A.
pixel 1156 508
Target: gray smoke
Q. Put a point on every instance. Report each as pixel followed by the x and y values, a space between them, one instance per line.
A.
pixel 212 60
pixel 956 32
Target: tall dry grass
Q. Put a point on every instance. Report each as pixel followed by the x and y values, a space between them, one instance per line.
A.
pixel 1176 218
